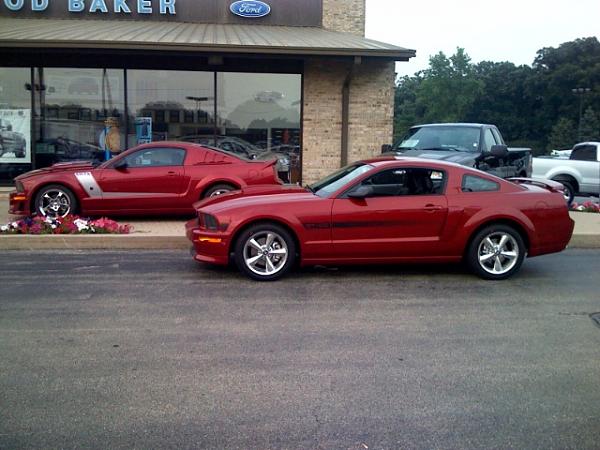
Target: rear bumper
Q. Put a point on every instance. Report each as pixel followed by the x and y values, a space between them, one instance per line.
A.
pixel 562 236
pixel 209 247
pixel 18 204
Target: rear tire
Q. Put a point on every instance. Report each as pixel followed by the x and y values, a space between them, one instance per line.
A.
pixel 496 252
pixel 265 252
pixel 219 189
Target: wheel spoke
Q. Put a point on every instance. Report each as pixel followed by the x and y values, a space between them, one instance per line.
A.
pixel 270 266
pixel 252 261
pixel 503 241
pixel 279 251
pixel 269 242
pixel 256 245
pixel 489 243
pixel 487 257
pixel 509 255
pixel 498 265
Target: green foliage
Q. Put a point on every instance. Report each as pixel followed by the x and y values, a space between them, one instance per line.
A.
pixel 563 135
pixel 590 126
pixel 528 104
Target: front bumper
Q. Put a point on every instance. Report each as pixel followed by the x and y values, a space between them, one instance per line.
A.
pixel 208 246
pixel 18 204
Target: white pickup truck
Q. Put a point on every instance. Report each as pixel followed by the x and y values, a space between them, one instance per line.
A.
pixel 579 172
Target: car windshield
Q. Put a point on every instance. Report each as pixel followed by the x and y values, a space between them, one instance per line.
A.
pixel 336 180
pixel 451 138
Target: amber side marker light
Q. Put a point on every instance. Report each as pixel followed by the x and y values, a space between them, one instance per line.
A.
pixel 210 240
pixel 19 198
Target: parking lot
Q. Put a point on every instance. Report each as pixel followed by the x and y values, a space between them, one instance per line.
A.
pixel 151 350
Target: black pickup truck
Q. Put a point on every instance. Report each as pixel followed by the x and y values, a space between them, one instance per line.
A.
pixel 470 144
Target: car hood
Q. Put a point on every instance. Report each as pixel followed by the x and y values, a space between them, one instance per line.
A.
pixel 451 156
pixel 255 195
pixel 74 166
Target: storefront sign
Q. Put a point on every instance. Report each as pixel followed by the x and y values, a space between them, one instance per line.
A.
pixel 100 6
pixel 252 10
pixel 300 13
pixel 15 136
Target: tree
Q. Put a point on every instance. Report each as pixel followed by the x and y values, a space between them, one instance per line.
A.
pixel 449 88
pixel 590 126
pixel 563 135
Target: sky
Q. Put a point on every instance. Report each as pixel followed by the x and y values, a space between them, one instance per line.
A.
pixel 488 30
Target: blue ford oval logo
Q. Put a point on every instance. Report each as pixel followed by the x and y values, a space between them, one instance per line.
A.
pixel 250 9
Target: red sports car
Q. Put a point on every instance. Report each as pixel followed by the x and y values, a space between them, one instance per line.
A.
pixel 385 211
pixel 157 178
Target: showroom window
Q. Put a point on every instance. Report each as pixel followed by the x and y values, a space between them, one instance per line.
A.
pixel 170 105
pixel 15 122
pixel 79 115
pixel 93 114
pixel 260 113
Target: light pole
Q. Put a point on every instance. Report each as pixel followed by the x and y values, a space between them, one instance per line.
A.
pixel 580 91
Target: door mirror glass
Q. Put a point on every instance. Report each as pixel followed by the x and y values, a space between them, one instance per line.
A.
pixel 499 151
pixel 121 165
pixel 386 148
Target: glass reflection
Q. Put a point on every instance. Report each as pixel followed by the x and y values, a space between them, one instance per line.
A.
pixel 170 105
pixel 262 113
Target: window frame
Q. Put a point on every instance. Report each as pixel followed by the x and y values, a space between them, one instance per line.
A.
pixel 467 175
pixel 116 161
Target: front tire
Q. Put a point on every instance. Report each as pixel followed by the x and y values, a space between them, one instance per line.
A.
pixel 54 201
pixel 496 252
pixel 265 252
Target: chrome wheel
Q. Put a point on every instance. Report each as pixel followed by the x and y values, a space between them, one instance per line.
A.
pixel 54 203
pixel 219 192
pixel 265 253
pixel 498 253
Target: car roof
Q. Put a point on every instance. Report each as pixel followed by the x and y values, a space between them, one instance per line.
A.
pixel 456 124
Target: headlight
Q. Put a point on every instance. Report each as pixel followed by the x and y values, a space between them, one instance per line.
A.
pixel 209 222
pixel 19 186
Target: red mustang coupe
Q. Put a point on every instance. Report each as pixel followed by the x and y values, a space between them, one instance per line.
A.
pixel 385 211
pixel 157 178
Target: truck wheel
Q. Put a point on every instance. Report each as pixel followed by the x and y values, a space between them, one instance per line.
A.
pixel 569 189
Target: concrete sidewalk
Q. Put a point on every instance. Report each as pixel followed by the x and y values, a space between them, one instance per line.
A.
pixel 152 234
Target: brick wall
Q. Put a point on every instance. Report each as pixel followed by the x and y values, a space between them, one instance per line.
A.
pixel 370 115
pixel 346 16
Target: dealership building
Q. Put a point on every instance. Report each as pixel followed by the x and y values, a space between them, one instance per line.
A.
pixel 86 79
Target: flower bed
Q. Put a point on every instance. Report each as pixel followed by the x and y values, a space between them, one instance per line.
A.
pixel 586 207
pixel 69 224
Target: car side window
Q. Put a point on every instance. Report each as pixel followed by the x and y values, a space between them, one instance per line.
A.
pixel 409 181
pixel 473 183
pixel 488 140
pixel 584 153
pixel 156 157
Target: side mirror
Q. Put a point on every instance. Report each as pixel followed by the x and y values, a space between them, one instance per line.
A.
pixel 499 151
pixel 387 148
pixel 121 165
pixel 361 192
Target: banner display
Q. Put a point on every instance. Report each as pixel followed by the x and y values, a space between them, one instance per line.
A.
pixel 15 136
pixel 143 130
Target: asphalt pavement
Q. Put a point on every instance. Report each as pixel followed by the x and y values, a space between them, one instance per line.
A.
pixel 152 350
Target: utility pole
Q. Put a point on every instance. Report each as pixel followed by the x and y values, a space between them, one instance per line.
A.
pixel 580 91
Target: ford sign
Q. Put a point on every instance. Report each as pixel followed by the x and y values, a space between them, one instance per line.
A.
pixel 250 9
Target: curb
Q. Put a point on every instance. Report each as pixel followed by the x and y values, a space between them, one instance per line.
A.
pixel 93 242
pixel 139 242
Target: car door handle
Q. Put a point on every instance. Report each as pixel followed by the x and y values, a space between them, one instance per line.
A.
pixel 171 173
pixel 432 208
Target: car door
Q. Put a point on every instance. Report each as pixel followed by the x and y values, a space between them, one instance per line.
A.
pixel 404 216
pixel 148 179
